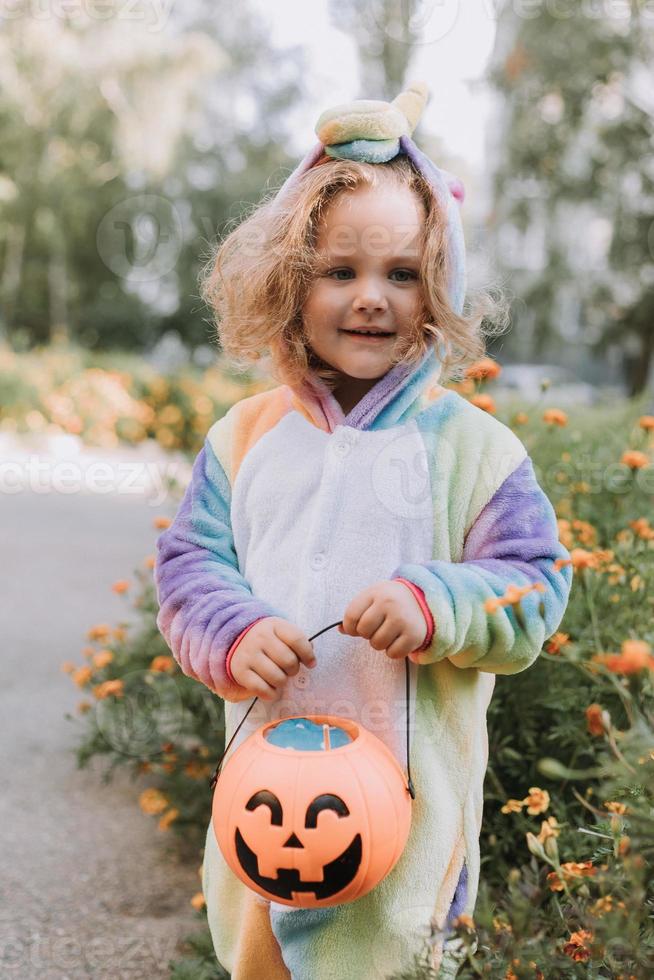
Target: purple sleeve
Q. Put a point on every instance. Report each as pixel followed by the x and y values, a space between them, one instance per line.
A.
pixel 205 603
pixel 514 541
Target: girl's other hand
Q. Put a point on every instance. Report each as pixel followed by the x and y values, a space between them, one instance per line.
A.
pixel 388 615
pixel 268 654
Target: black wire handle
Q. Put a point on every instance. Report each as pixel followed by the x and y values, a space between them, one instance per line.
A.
pixel 410 786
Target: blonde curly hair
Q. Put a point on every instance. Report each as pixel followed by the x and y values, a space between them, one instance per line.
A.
pixel 258 277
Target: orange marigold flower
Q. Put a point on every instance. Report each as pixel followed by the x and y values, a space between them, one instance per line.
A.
pixel 67 667
pixel 198 901
pixel 585 532
pixel 484 402
pixel 646 422
pixel 163 665
pixel 102 658
pixel 120 633
pixel 169 817
pixel 556 642
pixel 549 828
pixel 464 921
pixel 485 368
pixel 582 559
pixel 602 905
pixel 82 676
pixel 613 806
pixel 84 706
pixel 642 528
pixel 149 561
pixel 635 656
pixel 99 632
pixel 571 870
pixel 537 801
pixel 492 605
pixel 108 689
pixel 197 770
pixel 595 719
pixel 554 416
pixel 152 801
pixel 161 523
pixel 521 418
pixel 512 806
pixel 122 585
pixel 576 947
pixel 634 459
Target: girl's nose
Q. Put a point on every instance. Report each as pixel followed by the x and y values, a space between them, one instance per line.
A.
pixel 369 298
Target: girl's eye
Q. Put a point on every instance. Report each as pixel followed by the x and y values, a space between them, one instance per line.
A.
pixel 335 273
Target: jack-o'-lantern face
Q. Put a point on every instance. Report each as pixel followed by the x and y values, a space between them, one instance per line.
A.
pixel 322 856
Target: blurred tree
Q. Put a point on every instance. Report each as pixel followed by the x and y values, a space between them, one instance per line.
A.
pixel 123 143
pixel 383 33
pixel 574 188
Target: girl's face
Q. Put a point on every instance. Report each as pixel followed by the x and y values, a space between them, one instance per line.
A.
pixel 369 249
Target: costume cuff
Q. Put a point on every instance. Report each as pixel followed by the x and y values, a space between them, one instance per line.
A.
pixel 232 649
pixel 429 619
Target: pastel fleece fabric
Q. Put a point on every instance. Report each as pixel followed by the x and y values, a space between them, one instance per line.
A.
pixel 294 508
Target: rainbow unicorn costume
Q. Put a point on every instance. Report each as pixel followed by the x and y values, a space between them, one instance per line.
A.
pixel 293 508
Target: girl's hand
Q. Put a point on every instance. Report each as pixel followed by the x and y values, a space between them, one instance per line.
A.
pixel 388 615
pixel 268 654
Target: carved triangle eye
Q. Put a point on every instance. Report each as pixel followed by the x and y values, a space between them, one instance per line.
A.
pixel 265 798
pixel 327 801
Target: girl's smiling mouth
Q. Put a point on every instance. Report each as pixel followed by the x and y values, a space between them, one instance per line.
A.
pixel 370 337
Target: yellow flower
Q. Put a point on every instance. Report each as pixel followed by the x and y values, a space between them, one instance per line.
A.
pixel 169 817
pixel 537 801
pixel 614 807
pixel 152 801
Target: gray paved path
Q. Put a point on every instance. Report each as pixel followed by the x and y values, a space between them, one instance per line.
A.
pixel 89 886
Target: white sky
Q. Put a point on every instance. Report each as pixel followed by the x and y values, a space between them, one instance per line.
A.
pixel 458 37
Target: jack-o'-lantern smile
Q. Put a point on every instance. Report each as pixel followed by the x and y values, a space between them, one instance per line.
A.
pixel 337 873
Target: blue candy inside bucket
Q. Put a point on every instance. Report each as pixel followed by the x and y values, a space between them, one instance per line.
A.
pixel 305 735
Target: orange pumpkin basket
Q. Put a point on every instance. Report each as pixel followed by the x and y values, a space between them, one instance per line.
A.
pixel 312 827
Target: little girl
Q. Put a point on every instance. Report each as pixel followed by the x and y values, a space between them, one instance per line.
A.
pixel 362 491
